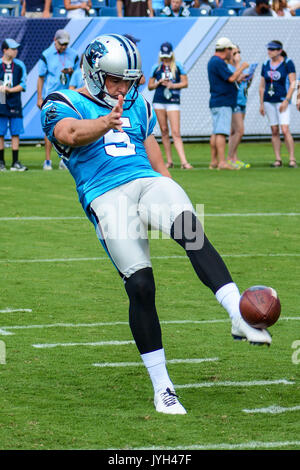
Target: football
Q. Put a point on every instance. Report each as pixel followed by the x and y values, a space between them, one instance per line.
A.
pixel 260 306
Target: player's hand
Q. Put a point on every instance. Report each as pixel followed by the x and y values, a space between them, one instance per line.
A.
pixel 40 102
pixel 114 117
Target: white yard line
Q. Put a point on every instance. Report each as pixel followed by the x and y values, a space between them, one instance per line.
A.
pixel 171 361
pixel 273 409
pixel 183 257
pixel 97 343
pixel 3 329
pixel 13 310
pixel 226 446
pixel 252 383
pixel 225 214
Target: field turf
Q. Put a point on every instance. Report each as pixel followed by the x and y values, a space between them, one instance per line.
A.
pixel 61 299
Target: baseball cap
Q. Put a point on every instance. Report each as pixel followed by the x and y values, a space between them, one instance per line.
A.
pixel 10 43
pixel 166 50
pixel 224 43
pixel 131 38
pixel 62 36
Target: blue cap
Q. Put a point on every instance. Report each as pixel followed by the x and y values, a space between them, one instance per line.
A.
pixel 12 44
pixel 274 46
pixel 166 50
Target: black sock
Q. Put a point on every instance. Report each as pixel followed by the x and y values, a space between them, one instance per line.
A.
pixel 143 319
pixel 15 156
pixel 2 155
pixel 188 232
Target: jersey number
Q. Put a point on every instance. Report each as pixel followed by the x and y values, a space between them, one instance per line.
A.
pixel 117 144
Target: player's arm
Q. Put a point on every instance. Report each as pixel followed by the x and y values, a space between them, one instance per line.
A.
pixel 79 132
pixel 155 156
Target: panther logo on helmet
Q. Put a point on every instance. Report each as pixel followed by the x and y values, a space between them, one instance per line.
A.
pixel 95 51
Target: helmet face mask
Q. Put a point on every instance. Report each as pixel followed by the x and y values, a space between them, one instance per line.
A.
pixel 111 55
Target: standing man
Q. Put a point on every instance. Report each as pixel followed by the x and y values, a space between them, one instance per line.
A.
pixel 223 98
pixel 176 8
pixel 262 8
pixel 105 135
pixel 13 82
pixel 134 8
pixel 55 66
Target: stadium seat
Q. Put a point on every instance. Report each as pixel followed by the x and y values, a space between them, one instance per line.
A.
pixel 59 12
pixel 235 4
pixel 223 12
pixel 241 11
pixel 98 4
pixel 58 4
pixel 93 12
pixel 108 11
pixel 297 12
pixel 4 12
pixel 199 12
pixel 111 3
pixel 157 11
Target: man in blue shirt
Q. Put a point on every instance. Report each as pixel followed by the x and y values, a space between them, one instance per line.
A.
pixel 104 132
pixel 223 98
pixel 13 82
pixel 55 69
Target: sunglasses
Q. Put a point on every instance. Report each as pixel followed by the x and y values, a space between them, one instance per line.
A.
pixel 64 43
pixel 238 52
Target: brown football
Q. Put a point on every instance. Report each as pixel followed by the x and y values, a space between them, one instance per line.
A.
pixel 260 306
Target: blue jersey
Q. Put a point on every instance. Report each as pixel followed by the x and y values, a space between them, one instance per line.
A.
pixel 112 160
pixel 277 81
pixel 12 75
pixel 161 71
pixel 222 92
pixel 77 79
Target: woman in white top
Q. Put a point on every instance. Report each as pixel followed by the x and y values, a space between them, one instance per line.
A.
pixel 280 9
pixel 77 9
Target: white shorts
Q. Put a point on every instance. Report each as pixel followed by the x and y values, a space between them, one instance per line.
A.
pixel 167 106
pixel 274 116
pixel 123 215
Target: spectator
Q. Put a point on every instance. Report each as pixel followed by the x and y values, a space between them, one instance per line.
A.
pixel 278 76
pixel 176 8
pixel 55 69
pixel 238 113
pixel 280 9
pixel 223 98
pixel 36 8
pixel 77 9
pixel 262 8
pixel 13 80
pixel 76 80
pixel 293 5
pixel 138 8
pixel 167 79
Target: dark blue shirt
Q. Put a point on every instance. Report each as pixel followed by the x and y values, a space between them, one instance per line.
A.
pixel 277 81
pixel 160 71
pixel 12 75
pixel 222 92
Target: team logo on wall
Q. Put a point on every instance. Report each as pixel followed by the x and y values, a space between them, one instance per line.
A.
pixel 95 51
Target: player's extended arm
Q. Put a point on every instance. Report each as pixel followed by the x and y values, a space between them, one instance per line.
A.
pixel 155 156
pixel 76 132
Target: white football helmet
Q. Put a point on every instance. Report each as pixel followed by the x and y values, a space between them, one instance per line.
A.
pixel 114 55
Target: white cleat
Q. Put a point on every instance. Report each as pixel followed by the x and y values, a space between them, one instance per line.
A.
pixel 166 401
pixel 242 331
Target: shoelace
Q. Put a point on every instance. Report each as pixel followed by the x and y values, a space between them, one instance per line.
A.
pixel 169 398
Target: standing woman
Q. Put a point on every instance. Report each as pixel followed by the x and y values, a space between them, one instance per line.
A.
pixel 278 76
pixel 238 113
pixel 167 79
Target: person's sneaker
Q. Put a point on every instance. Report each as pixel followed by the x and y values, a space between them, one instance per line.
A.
pixel 47 165
pixel 2 166
pixel 166 401
pixel 62 165
pixel 242 164
pixel 240 330
pixel 17 166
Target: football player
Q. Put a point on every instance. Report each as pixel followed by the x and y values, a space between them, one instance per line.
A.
pixel 104 133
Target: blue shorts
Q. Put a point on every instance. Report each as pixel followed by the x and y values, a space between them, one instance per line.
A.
pixel 240 108
pixel 15 125
pixel 221 118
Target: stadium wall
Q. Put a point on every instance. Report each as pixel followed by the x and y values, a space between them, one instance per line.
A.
pixel 193 40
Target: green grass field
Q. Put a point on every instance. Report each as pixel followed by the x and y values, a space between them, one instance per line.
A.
pixel 60 295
